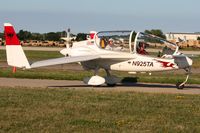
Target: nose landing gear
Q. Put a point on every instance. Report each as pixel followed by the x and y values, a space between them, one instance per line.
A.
pixel 181 85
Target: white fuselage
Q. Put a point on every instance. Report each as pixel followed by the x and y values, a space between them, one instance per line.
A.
pixel 117 60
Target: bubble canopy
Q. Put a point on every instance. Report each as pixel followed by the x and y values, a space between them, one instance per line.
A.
pixel 147 44
pixel 115 40
pixel 132 42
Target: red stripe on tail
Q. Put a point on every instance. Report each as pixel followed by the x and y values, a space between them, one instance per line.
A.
pixel 10 36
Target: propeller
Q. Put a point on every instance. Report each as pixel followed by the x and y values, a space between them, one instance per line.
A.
pixel 68 44
pixel 68 39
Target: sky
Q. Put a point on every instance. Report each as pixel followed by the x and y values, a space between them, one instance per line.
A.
pixel 86 15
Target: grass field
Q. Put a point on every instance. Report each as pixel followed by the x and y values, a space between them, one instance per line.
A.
pixel 76 110
pixel 62 74
pixel 69 110
pixel 34 55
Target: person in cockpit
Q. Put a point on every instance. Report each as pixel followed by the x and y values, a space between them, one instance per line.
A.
pixel 110 45
pixel 141 49
pixel 103 42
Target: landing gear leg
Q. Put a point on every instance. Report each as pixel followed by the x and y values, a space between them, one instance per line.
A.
pixel 110 79
pixel 180 85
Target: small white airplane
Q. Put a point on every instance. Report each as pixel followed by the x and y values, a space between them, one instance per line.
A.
pixel 108 50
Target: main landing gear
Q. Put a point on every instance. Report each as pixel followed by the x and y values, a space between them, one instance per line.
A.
pixel 96 80
pixel 111 80
pixel 181 85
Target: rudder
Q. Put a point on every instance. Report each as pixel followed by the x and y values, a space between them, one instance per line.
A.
pixel 14 52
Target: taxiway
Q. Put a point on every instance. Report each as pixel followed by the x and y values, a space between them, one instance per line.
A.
pixel 71 84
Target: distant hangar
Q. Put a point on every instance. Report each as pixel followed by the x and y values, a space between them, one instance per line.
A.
pixel 182 36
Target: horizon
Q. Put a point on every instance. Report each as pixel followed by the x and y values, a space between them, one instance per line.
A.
pixel 84 16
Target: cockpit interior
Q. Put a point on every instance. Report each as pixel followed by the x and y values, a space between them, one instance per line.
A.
pixel 132 42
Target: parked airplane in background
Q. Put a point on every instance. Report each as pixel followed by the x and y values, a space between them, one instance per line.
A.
pixel 109 50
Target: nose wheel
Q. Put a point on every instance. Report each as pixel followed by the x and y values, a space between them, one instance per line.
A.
pixel 180 85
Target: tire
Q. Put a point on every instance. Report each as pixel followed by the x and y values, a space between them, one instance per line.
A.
pixel 179 87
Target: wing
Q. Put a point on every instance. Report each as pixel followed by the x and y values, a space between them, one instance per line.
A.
pixel 63 60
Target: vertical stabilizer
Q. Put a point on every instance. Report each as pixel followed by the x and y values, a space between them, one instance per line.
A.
pixel 14 51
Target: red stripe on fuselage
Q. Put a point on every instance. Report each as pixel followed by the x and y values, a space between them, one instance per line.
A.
pixel 166 64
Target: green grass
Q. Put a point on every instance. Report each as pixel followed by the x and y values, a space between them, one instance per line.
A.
pixel 35 55
pixel 190 49
pixel 196 62
pixel 45 74
pixel 68 110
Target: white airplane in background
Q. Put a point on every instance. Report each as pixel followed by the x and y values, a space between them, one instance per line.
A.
pixel 113 50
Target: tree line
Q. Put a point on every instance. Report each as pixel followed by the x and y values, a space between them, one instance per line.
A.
pixel 55 36
pixel 51 36
pixel 27 35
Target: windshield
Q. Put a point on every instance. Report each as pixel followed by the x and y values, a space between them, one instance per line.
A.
pixel 147 44
pixel 114 40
